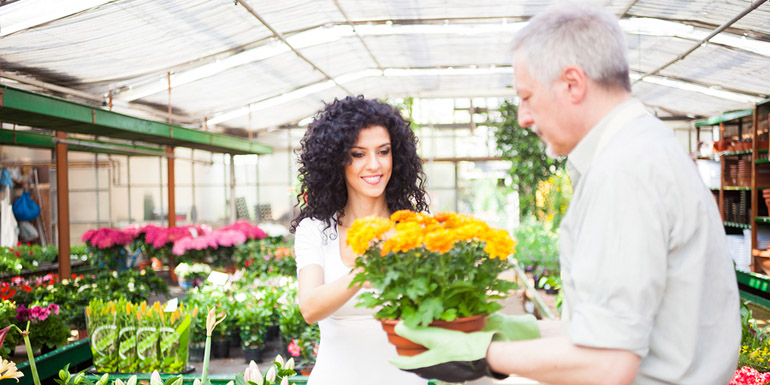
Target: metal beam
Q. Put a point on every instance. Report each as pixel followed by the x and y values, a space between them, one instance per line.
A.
pixel 704 41
pixel 366 47
pixel 283 39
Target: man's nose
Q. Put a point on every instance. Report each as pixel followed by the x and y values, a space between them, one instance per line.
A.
pixel 525 118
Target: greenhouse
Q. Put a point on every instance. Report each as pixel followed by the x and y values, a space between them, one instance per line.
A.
pixel 248 192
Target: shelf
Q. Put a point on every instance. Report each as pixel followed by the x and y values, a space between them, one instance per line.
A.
pixel 762 220
pixel 736 188
pixel 761 160
pixel 741 225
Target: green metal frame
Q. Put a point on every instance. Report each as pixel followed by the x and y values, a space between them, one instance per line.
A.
pixel 49 364
pixel 46 141
pixel 727 116
pixel 43 111
pixel 760 283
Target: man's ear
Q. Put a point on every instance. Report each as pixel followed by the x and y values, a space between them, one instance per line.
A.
pixel 575 81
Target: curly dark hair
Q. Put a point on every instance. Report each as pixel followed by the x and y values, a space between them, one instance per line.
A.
pixel 324 153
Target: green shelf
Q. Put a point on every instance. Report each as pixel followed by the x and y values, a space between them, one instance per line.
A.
pixel 754 287
pixel 736 188
pixel 762 220
pixel 740 225
pixel 762 161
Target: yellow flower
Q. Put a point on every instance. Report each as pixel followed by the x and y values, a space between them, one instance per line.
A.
pixel 440 241
pixel 8 370
pixel 364 230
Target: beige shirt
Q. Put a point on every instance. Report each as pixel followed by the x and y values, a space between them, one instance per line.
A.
pixel 644 259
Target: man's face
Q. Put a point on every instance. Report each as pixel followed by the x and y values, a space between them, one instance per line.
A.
pixel 542 109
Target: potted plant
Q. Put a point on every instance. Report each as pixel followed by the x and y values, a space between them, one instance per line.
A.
pixel 191 275
pixel 537 249
pixel 48 329
pixel 305 349
pixel 253 319
pixel 107 247
pixel 427 269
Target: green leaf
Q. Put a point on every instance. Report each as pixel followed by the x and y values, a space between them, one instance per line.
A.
pixel 240 380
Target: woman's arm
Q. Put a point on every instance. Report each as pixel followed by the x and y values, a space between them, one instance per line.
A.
pixel 317 300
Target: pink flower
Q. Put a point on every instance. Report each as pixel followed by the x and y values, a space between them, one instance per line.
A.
pixel 749 376
pixel 293 348
pixel 228 237
pixel 88 235
pixel 54 308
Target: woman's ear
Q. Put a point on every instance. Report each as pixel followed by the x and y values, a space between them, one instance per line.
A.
pixel 575 82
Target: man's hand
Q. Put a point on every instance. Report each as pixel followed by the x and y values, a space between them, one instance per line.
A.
pixel 454 356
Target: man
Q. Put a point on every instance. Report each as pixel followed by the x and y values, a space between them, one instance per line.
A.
pixel 650 291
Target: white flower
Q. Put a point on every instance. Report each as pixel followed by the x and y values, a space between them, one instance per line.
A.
pixel 197 381
pixel 155 378
pixel 252 373
pixel 290 364
pixel 279 359
pixel 270 377
pixel 240 297
pixel 285 381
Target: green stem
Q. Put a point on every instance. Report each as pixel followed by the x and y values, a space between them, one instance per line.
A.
pixel 205 375
pixel 30 355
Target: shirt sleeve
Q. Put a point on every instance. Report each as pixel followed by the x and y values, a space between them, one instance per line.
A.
pixel 308 247
pixel 618 269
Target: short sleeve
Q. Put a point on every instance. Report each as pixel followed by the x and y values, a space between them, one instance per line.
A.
pixel 308 247
pixel 619 266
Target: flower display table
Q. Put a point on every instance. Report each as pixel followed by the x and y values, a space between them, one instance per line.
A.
pixel 49 364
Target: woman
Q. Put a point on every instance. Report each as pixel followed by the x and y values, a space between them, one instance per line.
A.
pixel 358 158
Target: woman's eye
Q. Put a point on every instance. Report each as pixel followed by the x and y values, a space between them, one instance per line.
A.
pixel 357 155
pixel 385 152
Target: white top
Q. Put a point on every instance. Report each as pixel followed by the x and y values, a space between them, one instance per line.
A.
pixel 644 259
pixel 353 348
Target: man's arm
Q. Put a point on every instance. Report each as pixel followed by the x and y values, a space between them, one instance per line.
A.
pixel 555 360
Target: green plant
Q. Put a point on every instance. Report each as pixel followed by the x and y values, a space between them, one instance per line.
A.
pixel 278 373
pixel 48 328
pixel 8 317
pixel 194 273
pixel 529 163
pixel 431 267
pixel 128 337
pixel 537 247
pixel 755 342
pixel 268 256
pixel 253 317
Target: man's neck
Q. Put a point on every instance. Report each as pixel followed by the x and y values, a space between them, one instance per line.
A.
pixel 601 103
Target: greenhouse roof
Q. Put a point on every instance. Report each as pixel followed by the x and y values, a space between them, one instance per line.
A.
pixel 249 65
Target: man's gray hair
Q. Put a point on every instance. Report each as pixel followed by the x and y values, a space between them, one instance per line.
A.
pixel 571 34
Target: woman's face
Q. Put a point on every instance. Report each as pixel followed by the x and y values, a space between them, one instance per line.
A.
pixel 371 164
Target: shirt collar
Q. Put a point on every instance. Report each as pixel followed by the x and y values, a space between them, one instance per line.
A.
pixel 581 157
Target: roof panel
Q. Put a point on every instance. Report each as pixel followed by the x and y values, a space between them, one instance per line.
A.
pixel 725 67
pixel 241 85
pixel 713 12
pixel 297 15
pixel 129 38
pixel 683 102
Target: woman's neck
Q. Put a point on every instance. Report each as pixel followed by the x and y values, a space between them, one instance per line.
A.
pixel 356 209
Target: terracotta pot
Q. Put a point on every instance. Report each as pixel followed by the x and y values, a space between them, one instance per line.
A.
pixel 404 347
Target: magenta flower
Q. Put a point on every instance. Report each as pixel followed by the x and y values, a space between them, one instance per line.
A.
pixel 54 308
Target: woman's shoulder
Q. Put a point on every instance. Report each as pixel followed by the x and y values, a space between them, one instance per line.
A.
pixel 314 226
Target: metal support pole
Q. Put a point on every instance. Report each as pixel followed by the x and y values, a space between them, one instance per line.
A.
pixel 171 188
pixel 96 177
pixel 171 206
pixel 63 207
pixel 233 214
pixel 128 186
